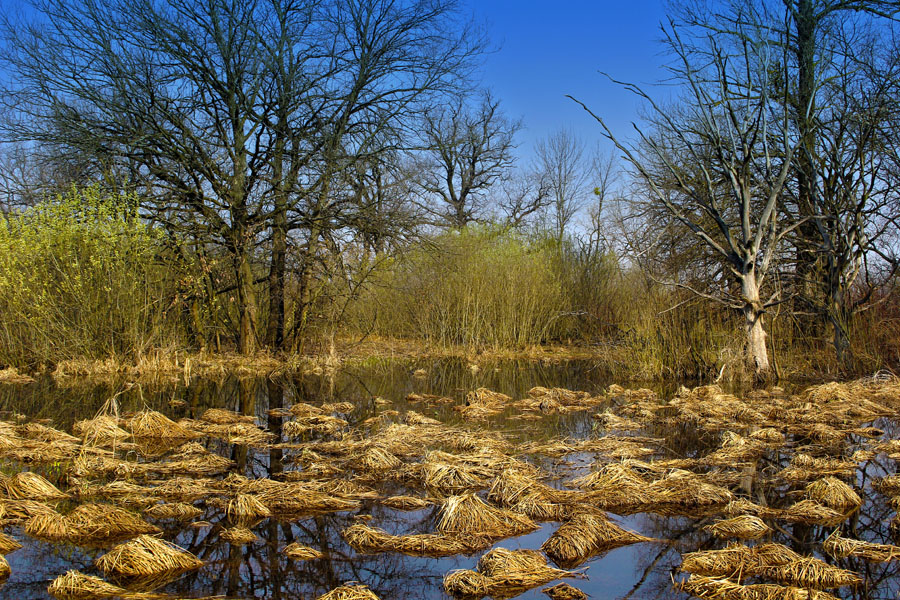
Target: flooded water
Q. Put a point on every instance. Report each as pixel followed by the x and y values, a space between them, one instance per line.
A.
pixel 260 569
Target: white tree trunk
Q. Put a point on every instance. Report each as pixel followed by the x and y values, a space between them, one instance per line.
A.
pixel 756 354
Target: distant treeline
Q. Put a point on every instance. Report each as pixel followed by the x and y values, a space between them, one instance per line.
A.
pixel 265 176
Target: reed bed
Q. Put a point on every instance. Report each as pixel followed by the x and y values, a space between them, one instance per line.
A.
pixel 297 551
pixel 371 540
pixel 841 547
pixel 586 535
pixel 146 555
pixel 468 516
pixel 350 592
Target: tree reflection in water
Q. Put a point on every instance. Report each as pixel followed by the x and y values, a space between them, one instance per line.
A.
pixel 260 570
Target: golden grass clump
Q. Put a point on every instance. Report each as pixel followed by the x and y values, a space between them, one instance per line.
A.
pixel 5 570
pixel 405 502
pixel 724 589
pixel 468 516
pixel 88 523
pixel 42 433
pixel 414 418
pixel 810 572
pixel 350 592
pixel 238 536
pixel 300 498
pixel 245 508
pixel 564 591
pixel 804 467
pixel 586 535
pixel 888 485
pixel 19 511
pixel 445 477
pixel 147 555
pixel 29 486
pixel 771 561
pixel 371 540
pixel 503 573
pixel 834 493
pixel 75 585
pixel 520 491
pixel 813 513
pixel 841 547
pixel 742 506
pixel 152 424
pixel 322 424
pixel 8 544
pixel 221 416
pixel 743 527
pixel 376 459
pixel 178 511
pixel 736 560
pixel 298 551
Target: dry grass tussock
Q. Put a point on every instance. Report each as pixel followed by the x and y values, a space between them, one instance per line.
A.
pixel 503 573
pixel 371 540
pixel 298 551
pixel 840 547
pixel 468 516
pixel 713 588
pixel 564 591
pixel 349 592
pixel 586 535
pixel 89 523
pixel 770 561
pixel 146 555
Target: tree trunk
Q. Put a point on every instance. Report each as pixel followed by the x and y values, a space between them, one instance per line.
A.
pixel 839 316
pixel 756 353
pixel 247 340
pixel 275 325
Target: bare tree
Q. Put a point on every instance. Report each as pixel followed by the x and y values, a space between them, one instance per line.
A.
pixel 718 164
pixel 565 170
pixel 468 150
pixel 233 118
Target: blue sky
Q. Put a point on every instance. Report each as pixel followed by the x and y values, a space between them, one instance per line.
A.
pixel 550 49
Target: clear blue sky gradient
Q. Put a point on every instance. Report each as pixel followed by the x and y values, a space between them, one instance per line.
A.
pixel 550 49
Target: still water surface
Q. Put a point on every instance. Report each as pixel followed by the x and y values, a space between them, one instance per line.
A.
pixel 259 570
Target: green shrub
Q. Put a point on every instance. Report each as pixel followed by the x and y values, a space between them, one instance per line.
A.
pixel 476 287
pixel 79 278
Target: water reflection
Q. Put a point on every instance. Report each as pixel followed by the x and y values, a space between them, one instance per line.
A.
pixel 260 570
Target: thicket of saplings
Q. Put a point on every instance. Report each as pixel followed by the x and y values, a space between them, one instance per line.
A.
pixel 82 277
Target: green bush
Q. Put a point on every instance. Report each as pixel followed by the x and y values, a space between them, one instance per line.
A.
pixel 476 287
pixel 79 278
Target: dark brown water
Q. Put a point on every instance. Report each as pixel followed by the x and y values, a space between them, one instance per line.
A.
pixel 259 570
